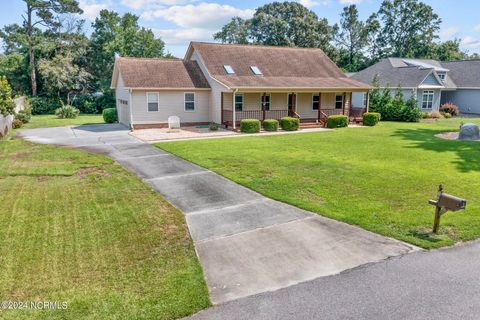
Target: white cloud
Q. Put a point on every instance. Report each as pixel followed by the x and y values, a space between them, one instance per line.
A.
pixel 204 15
pixel 149 4
pixel 450 32
pixel 313 3
pixel 471 42
pixel 350 1
pixel 477 28
pixel 91 8
pixel 183 36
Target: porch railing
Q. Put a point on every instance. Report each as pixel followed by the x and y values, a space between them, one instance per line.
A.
pixel 254 114
pixel 357 112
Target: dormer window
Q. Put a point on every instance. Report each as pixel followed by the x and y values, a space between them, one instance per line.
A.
pixel 228 69
pixel 256 71
pixel 442 76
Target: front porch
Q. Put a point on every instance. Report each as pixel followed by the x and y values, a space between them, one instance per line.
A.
pixel 311 108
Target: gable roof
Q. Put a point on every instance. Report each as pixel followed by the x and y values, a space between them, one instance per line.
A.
pixel 157 73
pixel 281 67
pixel 464 73
pixel 407 73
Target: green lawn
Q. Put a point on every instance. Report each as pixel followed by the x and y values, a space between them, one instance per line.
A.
pixel 50 120
pixel 78 228
pixel 379 178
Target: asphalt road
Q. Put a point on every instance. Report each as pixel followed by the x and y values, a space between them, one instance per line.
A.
pixel 440 284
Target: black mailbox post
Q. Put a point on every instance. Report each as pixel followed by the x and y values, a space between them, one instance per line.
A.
pixel 445 202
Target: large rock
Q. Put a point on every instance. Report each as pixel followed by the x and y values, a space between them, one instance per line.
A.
pixel 469 131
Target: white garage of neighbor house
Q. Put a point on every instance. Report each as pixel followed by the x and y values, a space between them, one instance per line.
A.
pixel 433 82
pixel 225 83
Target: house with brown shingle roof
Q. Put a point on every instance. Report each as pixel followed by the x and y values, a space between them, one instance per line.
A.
pixel 225 83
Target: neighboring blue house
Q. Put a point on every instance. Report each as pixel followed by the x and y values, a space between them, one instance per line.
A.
pixel 433 82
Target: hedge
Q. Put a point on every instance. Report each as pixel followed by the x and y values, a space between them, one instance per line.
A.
pixel 337 121
pixel 371 118
pixel 270 125
pixel 110 115
pixel 250 125
pixel 289 123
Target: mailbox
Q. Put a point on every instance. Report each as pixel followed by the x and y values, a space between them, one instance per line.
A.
pixel 445 202
pixel 451 203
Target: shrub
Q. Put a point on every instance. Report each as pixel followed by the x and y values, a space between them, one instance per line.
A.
pixel 110 115
pixel 337 121
pixel 250 125
pixel 371 118
pixel 270 125
pixel 17 123
pixel 410 111
pixel 213 126
pixel 42 105
pixel 425 115
pixel 449 108
pixel 23 116
pixel 289 123
pixel 7 105
pixel 67 111
pixel 85 103
pixel 435 115
pixel 446 115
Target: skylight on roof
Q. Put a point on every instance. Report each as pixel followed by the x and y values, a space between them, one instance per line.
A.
pixel 229 69
pixel 256 70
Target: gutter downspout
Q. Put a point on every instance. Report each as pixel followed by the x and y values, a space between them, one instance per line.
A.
pixel 130 108
pixel 234 110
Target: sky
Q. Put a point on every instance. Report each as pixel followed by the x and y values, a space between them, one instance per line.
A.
pixel 178 22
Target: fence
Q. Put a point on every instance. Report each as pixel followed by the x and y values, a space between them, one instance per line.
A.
pixel 6 122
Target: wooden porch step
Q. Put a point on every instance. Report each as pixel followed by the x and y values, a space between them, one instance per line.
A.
pixel 307 125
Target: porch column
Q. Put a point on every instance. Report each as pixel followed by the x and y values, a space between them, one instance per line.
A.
pixel 319 106
pixel 292 103
pixel 368 100
pixel 221 107
pixel 234 111
pixel 344 101
pixel 264 104
pixel 350 104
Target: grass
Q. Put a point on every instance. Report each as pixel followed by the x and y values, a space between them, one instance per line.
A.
pixel 78 228
pixel 378 178
pixel 50 120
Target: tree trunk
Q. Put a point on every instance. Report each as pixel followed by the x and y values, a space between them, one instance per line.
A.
pixel 31 55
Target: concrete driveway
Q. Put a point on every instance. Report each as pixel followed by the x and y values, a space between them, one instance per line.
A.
pixel 246 243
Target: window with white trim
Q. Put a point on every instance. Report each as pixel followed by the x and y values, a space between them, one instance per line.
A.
pixel 189 101
pixel 315 101
pixel 267 102
pixel 442 76
pixel 427 99
pixel 339 101
pixel 152 101
pixel 238 102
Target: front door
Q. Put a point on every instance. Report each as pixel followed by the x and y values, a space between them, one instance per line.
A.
pixel 292 102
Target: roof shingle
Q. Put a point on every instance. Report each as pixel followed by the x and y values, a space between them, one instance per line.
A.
pixel 281 67
pixel 160 73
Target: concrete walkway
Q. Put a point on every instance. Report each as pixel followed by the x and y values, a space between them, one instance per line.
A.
pixel 246 243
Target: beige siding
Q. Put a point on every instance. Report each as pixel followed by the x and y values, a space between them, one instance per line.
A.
pixel 304 106
pixel 170 103
pixel 228 101
pixel 122 109
pixel 305 103
pixel 278 101
pixel 215 108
